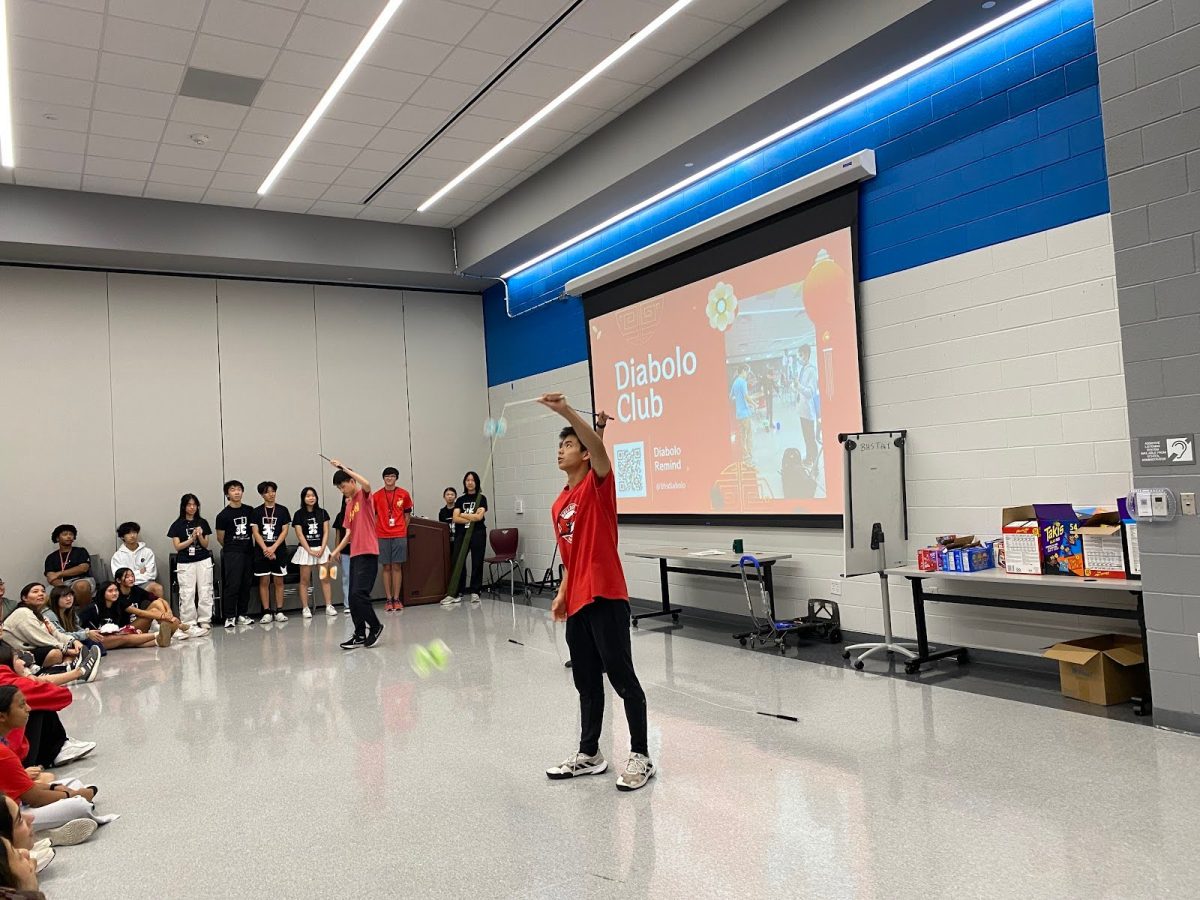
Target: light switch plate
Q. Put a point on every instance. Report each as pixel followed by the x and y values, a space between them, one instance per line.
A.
pixel 1187 504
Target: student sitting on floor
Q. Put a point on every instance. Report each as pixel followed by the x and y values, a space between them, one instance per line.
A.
pixel 145 610
pixel 60 613
pixel 110 618
pixel 26 629
pixel 61 810
pixel 18 874
pixel 16 827
pixel 134 554
pixel 67 563
pixel 45 737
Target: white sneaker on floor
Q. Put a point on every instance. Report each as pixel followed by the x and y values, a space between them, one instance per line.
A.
pixel 307 614
pixel 475 598
pixel 245 620
pixel 578 764
pixel 280 617
pixel 72 751
pixel 230 623
pixel 450 601
pixel 347 610
pixel 74 832
pixel 265 620
pixel 42 858
pixel 331 612
pixel 638 771
pixel 182 635
pixel 43 844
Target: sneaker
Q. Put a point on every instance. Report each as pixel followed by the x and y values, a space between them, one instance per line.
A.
pixel 399 607
pixel 475 599
pixel 42 858
pixel 347 609
pixel 331 612
pixel 280 617
pixel 90 667
pixel 353 643
pixel 163 638
pixel 43 844
pixel 245 620
pixel 230 623
pixel 637 772
pixel 180 633
pixel 266 619
pixel 387 605
pixel 450 601
pixel 578 764
pixel 373 637
pixel 72 751
pixel 307 614
pixel 74 832
pixel 73 662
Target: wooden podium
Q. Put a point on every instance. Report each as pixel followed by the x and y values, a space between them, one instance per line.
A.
pixel 427 570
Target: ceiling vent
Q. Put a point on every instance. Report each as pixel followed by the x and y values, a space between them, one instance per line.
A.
pixel 219 86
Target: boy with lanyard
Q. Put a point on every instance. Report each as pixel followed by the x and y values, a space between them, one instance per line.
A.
pixel 237 551
pixel 594 600
pixel 68 563
pixel 393 509
pixel 363 538
pixel 269 524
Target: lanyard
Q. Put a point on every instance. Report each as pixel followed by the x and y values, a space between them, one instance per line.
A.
pixel 63 560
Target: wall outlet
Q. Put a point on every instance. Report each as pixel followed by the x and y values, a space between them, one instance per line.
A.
pixel 835 588
pixel 520 506
pixel 1187 504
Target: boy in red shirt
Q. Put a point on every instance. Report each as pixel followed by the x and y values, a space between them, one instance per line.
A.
pixel 393 509
pixel 363 539
pixel 594 600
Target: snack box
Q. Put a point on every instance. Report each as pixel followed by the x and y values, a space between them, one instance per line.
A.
pixel 1103 545
pixel 1042 539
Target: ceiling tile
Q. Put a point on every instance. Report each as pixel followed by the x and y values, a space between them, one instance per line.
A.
pixel 326 154
pixel 230 198
pixel 474 66
pixel 413 117
pixel 51 160
pixel 574 50
pixel 52 139
pixel 384 84
pixel 393 199
pixel 151 41
pixel 244 164
pixel 52 89
pixel 136 72
pixel 383 214
pixel 364 110
pixel 539 79
pixel 511 107
pixel 103 185
pixel 457 149
pixel 725 35
pixel 308 69
pixel 314 172
pixel 617 19
pixel 500 34
pixel 730 11
pixel 359 12
pixel 536 10
pixel 682 35
pixel 436 20
pixel 324 37
pixel 284 204
pixel 291 187
pixel 271 121
pixel 233 181
pixel 248 22
pixel 96 6
pixel 376 161
pixel 35 112
pixel 412 184
pixel 408 54
pixel 671 73
pixel 288 98
pixel 43 178
pixel 643 65
pixel 430 219
pixel 605 93
pixel 359 178
pixel 116 168
pixel 574 117
pixel 181 133
pixel 222 54
pixel 180 175
pixel 470 191
pixel 341 210
pixel 347 195
pixel 259 145
pixel 208 112
pixel 176 13
pixel 439 93
pixel 441 170
pixel 542 139
pixel 122 148
pixel 55 23
pixel 349 134
pixel 191 157
pixel 50 58
pixel 173 192
pixel 123 127
pixel 131 101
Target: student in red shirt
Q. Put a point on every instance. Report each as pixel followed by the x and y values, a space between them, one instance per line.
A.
pixel 393 508
pixel 363 539
pixel 594 600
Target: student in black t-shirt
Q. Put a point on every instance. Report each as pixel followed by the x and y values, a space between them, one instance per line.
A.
pixel 193 566
pixel 470 536
pixel 269 524
pixel 446 513
pixel 143 609
pixel 68 563
pixel 109 615
pixel 312 528
pixel 237 556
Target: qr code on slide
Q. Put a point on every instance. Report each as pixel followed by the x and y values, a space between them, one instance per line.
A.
pixel 629 461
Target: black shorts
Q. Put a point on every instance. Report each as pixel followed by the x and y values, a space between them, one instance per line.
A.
pixel 40 654
pixel 276 566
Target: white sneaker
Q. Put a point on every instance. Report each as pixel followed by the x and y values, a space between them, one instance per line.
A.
pixel 266 619
pixel 331 612
pixel 182 635
pixel 307 614
pixel 230 623
pixel 72 751
pixel 578 764
pixel 450 601
pixel 245 620
pixel 638 771
pixel 74 832
pixel 280 617
pixel 347 609
pixel 475 599
pixel 42 858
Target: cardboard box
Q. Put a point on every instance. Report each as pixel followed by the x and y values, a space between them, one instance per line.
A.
pixel 973 559
pixel 1106 669
pixel 1103 545
pixel 927 559
pixel 1022 549
pixel 1042 539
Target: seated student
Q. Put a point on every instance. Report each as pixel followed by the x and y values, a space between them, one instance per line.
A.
pixel 134 554
pixel 60 614
pixel 45 738
pixel 109 617
pixel 18 874
pixel 26 629
pixel 57 807
pixel 68 562
pixel 16 827
pixel 145 610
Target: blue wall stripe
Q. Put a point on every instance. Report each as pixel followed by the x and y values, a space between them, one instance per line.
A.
pixel 1000 139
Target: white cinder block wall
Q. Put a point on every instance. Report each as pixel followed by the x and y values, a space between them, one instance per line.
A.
pixel 1005 366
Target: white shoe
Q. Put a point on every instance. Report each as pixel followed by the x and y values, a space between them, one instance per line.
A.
pixel 182 635
pixel 475 598
pixel 331 612
pixel 280 617
pixel 450 601
pixel 245 620
pixel 74 832
pixel 307 614
pixel 347 610
pixel 230 623
pixel 266 619
pixel 577 764
pixel 72 751
pixel 638 771
pixel 42 858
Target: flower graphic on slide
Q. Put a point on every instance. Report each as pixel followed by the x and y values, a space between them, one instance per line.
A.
pixel 722 306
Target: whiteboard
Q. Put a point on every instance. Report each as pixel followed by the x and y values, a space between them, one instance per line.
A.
pixel 874 492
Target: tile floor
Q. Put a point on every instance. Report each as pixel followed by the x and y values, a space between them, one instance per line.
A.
pixel 269 763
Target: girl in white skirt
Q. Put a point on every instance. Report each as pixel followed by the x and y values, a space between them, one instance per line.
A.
pixel 312 527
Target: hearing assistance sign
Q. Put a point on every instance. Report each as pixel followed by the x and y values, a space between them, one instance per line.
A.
pixel 1167 450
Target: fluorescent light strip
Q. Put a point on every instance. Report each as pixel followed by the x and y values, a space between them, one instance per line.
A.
pixel 8 157
pixel 971 36
pixel 334 89
pixel 558 101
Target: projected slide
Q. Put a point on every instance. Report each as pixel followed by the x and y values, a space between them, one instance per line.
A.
pixel 729 392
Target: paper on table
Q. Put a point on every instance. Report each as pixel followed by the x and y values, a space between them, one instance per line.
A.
pixel 706 553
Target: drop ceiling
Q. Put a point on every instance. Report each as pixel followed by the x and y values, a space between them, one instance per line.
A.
pixel 97 102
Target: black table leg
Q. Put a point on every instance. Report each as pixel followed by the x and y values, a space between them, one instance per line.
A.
pixel 923 655
pixel 666 598
pixel 769 584
pixel 1143 705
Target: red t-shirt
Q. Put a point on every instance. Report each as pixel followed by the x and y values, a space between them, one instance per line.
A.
pixel 14 780
pixel 585 526
pixel 360 522
pixel 390 507
pixel 38 694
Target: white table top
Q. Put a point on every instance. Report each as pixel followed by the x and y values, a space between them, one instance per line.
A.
pixel 999 576
pixel 706 554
